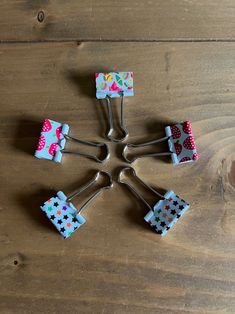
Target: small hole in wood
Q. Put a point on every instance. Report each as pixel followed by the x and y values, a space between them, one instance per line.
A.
pixel 41 16
pixel 15 262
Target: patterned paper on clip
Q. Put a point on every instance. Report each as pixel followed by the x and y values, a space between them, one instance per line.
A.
pixel 63 214
pixel 166 212
pixel 113 83
pixel 181 143
pixel 52 140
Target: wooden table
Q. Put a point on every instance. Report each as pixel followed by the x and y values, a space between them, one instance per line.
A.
pixel 183 57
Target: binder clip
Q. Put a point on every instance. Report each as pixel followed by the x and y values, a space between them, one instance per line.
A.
pixel 52 142
pixel 164 214
pixel 181 143
pixel 113 85
pixel 63 214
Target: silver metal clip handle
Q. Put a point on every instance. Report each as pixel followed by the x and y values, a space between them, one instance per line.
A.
pixel 125 150
pixel 89 185
pixel 93 144
pixel 122 123
pixel 133 190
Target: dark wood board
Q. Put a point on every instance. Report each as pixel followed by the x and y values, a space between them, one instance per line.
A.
pixel 25 20
pixel 115 263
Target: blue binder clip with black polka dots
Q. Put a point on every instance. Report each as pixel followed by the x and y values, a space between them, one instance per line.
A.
pixel 164 214
pixel 63 214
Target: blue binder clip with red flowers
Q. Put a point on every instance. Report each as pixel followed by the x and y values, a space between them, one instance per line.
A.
pixel 53 138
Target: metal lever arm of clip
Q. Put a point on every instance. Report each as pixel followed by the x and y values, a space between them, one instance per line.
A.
pixel 90 184
pixel 92 144
pixel 121 121
pixel 133 190
pixel 125 150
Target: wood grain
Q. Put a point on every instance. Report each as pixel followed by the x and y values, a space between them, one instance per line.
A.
pixel 115 263
pixel 26 20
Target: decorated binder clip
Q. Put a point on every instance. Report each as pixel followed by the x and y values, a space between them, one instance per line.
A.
pixel 64 215
pixel 52 142
pixel 181 145
pixel 113 85
pixel 164 214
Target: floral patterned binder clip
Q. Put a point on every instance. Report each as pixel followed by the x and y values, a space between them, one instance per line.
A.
pixel 52 142
pixel 113 85
pixel 181 144
pixel 63 214
pixel 164 214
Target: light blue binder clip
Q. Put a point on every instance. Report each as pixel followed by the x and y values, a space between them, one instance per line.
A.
pixel 53 138
pixel 181 145
pixel 64 215
pixel 115 85
pixel 168 209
